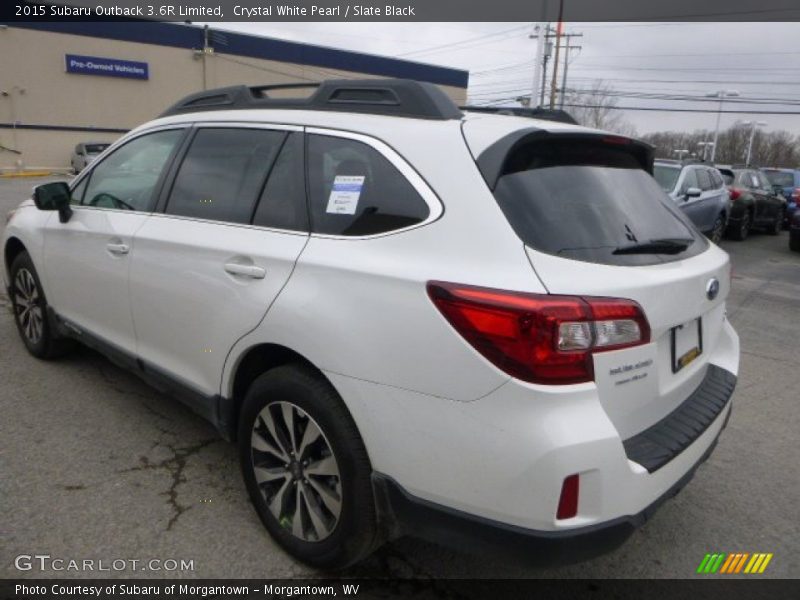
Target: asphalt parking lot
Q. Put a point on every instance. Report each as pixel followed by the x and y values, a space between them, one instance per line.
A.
pixel 96 465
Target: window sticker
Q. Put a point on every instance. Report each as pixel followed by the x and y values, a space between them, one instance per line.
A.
pixel 345 194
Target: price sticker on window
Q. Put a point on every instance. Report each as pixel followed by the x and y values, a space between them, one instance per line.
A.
pixel 345 194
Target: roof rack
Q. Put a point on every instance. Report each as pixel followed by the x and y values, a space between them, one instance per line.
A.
pixel 391 97
pixel 547 114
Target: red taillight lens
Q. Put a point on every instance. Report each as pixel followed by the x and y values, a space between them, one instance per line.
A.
pixel 734 193
pixel 568 502
pixel 796 194
pixel 540 338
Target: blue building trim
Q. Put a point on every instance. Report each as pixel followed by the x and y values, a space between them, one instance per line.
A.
pixel 239 44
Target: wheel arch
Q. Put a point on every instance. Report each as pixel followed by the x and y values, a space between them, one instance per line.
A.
pixel 252 363
pixel 13 248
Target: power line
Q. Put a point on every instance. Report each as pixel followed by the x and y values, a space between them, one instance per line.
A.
pixel 470 41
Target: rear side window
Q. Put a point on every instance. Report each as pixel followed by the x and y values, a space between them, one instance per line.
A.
pixel 354 190
pixel 690 180
pixel 593 202
pixel 716 178
pixel 666 176
pixel 704 179
pixel 223 173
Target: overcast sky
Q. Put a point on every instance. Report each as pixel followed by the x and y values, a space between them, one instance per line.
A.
pixel 761 61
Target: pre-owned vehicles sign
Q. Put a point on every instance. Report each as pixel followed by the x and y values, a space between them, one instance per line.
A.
pixel 106 67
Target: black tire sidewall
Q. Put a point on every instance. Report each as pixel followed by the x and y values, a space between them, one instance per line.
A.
pixel 42 349
pixel 354 534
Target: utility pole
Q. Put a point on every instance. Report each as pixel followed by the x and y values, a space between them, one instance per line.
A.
pixel 563 94
pixel 548 48
pixel 559 30
pixel 539 33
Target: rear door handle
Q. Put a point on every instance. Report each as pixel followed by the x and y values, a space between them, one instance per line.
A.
pixel 118 249
pixel 251 271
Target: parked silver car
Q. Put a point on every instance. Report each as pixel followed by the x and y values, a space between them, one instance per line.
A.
pixel 86 152
pixel 699 191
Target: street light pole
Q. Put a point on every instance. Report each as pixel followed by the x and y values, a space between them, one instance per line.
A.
pixel 753 125
pixel 721 94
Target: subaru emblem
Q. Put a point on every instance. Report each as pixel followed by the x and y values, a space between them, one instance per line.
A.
pixel 712 288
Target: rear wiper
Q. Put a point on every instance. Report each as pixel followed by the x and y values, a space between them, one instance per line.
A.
pixel 658 246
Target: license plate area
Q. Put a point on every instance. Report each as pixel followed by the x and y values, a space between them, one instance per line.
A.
pixel 686 342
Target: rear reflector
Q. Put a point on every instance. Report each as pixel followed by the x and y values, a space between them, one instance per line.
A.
pixel 540 338
pixel 568 502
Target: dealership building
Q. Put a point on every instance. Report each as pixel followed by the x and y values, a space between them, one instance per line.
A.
pixel 65 83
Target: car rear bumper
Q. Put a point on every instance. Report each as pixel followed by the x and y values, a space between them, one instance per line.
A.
pixel 504 457
pixel 407 514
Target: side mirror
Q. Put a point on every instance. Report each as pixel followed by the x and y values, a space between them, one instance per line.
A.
pixel 54 196
pixel 692 192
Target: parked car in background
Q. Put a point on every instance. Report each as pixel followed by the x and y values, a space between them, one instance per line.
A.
pixel 699 191
pixel 86 152
pixel 794 232
pixel 789 181
pixel 754 203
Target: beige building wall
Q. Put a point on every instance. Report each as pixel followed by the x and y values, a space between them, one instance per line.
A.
pixel 35 89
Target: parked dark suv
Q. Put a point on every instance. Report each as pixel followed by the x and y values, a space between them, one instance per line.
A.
pixel 789 182
pixel 754 203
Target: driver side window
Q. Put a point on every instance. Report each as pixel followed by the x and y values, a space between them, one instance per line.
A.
pixel 127 178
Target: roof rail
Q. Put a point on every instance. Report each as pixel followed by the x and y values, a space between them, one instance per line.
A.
pixel 547 114
pixel 391 97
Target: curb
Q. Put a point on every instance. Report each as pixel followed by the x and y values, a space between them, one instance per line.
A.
pixel 26 174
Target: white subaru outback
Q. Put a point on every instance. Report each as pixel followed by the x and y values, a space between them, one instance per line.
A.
pixel 413 319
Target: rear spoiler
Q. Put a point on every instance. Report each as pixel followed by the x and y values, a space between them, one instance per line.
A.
pixel 492 162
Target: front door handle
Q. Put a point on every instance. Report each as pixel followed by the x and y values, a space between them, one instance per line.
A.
pixel 251 271
pixel 118 249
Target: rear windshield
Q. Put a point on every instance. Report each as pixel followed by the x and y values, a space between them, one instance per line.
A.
pixel 781 178
pixel 666 176
pixel 593 202
pixel 96 148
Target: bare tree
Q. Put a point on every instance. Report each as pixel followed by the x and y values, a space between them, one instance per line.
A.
pixel 776 148
pixel 597 107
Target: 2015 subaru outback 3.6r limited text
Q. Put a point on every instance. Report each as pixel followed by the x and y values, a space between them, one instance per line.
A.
pixel 412 319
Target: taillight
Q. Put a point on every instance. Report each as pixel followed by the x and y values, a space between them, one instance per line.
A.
pixel 540 338
pixel 734 193
pixel 796 194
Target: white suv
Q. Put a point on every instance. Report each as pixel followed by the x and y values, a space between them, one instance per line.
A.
pixel 414 320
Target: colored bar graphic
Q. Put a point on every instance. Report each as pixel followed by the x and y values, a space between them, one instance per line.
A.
pixel 741 562
pixel 765 563
pixel 718 562
pixel 703 563
pixel 727 564
pixel 724 563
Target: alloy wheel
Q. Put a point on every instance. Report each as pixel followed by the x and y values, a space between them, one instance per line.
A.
pixel 28 306
pixel 716 232
pixel 744 227
pixel 296 471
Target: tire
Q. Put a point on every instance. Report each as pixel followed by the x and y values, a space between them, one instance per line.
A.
pixel 742 229
pixel 333 466
pixel 719 228
pixel 777 226
pixel 29 304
